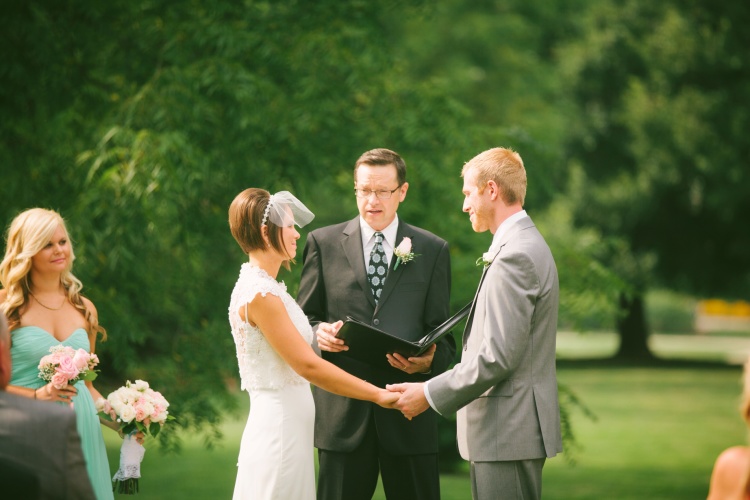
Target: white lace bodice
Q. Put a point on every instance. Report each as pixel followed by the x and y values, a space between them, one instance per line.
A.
pixel 260 366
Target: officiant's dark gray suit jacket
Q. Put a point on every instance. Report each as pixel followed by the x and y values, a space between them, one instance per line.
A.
pixel 415 300
pixel 505 386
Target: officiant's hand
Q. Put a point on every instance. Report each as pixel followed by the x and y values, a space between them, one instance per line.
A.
pixel 327 340
pixel 412 401
pixel 415 364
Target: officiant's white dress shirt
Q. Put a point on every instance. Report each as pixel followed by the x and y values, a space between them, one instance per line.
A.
pixel 368 238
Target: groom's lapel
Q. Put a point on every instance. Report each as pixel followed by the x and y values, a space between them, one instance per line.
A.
pixel 352 245
pixel 467 328
pixel 391 279
pixel 522 224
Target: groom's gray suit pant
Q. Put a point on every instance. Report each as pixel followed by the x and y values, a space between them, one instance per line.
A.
pixel 511 480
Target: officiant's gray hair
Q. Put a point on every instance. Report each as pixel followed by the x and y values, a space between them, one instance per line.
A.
pixel 382 157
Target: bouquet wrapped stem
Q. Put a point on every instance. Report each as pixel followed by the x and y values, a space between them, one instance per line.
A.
pixel 125 480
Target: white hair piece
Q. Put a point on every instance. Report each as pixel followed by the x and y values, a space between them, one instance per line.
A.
pixel 284 209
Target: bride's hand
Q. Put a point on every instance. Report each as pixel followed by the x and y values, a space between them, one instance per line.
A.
pixel 387 399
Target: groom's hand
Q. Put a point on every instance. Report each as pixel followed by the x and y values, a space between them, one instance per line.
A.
pixel 415 364
pixel 327 340
pixel 412 401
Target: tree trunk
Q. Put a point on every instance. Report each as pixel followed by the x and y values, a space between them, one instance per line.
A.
pixel 632 328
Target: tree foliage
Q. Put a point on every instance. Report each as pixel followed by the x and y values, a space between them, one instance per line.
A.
pixel 140 121
pixel 660 134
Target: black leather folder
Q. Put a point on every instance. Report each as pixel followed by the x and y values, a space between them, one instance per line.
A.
pixel 367 343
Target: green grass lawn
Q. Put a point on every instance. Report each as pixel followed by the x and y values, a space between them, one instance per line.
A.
pixel 657 433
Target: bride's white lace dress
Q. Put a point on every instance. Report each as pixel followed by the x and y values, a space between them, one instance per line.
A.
pixel 276 455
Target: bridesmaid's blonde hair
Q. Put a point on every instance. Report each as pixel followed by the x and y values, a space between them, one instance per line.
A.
pixel 28 234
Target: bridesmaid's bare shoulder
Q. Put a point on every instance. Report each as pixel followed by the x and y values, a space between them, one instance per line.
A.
pixel 729 477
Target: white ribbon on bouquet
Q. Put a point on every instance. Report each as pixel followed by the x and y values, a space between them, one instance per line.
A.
pixel 131 456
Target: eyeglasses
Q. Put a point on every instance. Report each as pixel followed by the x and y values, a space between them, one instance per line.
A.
pixel 382 194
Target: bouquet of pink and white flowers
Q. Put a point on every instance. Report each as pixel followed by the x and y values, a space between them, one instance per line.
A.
pixel 66 366
pixel 136 408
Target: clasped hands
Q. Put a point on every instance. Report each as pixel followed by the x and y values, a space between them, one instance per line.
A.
pixel 408 398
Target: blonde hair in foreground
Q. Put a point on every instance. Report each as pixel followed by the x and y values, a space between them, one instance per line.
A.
pixel 28 234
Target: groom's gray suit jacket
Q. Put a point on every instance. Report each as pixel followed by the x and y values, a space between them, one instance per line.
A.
pixel 505 387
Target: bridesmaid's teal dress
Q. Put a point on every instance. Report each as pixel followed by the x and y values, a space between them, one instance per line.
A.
pixel 29 345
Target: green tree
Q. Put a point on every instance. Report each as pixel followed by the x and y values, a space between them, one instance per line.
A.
pixel 140 121
pixel 660 136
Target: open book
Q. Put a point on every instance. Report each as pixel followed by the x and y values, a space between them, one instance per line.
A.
pixel 367 343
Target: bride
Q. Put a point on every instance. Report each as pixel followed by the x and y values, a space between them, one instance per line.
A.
pixel 276 361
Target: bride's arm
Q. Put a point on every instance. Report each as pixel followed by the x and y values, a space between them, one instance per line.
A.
pixel 270 315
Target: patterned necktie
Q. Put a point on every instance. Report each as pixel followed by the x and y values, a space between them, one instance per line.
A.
pixel 377 268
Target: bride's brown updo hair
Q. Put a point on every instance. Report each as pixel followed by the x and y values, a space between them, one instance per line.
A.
pixel 246 223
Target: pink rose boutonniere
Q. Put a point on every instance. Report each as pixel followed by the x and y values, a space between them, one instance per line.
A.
pixel 403 252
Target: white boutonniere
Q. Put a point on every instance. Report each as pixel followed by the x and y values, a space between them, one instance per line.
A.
pixel 485 260
pixel 403 252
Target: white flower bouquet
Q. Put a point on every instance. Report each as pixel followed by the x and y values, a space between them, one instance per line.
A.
pixel 136 408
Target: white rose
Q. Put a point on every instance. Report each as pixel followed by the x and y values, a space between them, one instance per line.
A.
pixel 147 408
pixel 140 385
pixel 127 414
pixel 101 405
pixel 131 395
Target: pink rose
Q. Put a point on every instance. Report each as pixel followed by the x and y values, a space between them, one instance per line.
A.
pixel 93 361
pixel 403 252
pixel 81 360
pixel 59 380
pixel 405 246
pixel 67 368
pixel 102 405
pixel 140 414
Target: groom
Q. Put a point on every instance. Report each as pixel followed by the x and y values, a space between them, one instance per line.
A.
pixel 344 265
pixel 505 387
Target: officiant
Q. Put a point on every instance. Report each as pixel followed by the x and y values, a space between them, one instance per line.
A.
pixel 396 277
